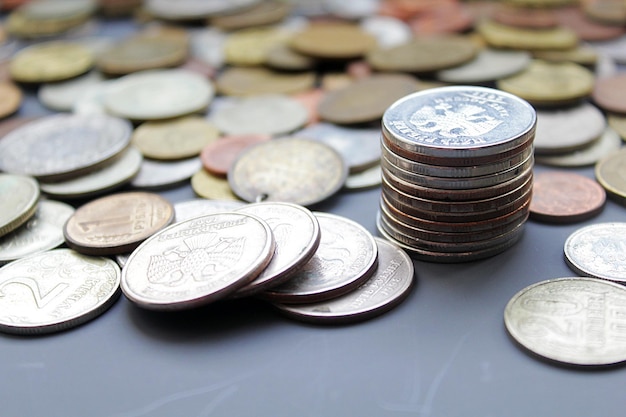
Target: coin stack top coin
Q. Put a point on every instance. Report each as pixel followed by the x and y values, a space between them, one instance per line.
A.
pixel 457 172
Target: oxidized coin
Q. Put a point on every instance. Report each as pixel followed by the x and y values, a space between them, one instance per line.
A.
pixel 565 197
pixel 346 257
pixel 208 185
pixel 198 261
pixel 185 210
pixel 290 169
pixel 117 223
pixel 600 148
pixel 63 146
pixel 390 284
pixel 20 195
pixel 10 98
pixel 50 61
pixel 611 174
pixel 598 251
pixel 327 40
pixel 297 235
pixel 55 290
pixel 608 93
pixel 43 231
pixel 154 175
pixel 577 321
pixel 218 156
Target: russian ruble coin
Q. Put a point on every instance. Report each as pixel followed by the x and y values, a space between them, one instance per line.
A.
pixel 61 96
pixel 289 169
pixel 489 64
pixel 50 61
pixel 43 231
pixel 117 223
pixel 194 9
pixel 347 256
pixel 156 175
pixel 187 209
pixel 198 261
pixel 20 195
pixel 332 40
pixel 218 156
pixel 248 81
pixel 114 174
pixel 211 186
pixel 389 286
pixel 63 146
pixel 10 98
pixel 159 94
pixel 263 13
pixel 55 290
pixel 509 37
pixel 573 320
pixel 368 178
pixel 610 172
pixel 600 148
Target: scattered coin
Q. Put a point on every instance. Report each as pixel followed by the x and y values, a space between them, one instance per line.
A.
pixel 61 96
pixel 388 31
pixel 207 185
pixel 587 29
pixel 582 54
pixel 608 93
pixel 20 195
pixel 10 98
pixel 218 156
pixel 489 65
pixel 610 172
pixel 260 14
pixel 504 36
pixel 524 17
pixel 187 209
pixel 369 178
pixel 244 81
pixel 155 175
pixel 194 9
pixel 50 61
pixel 600 148
pixel 250 47
pixel 326 40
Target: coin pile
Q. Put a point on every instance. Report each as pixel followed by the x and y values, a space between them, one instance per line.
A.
pixel 457 172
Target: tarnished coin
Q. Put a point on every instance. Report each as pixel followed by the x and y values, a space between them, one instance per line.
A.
pixel 328 40
pixel 390 284
pixel 159 94
pixel 608 93
pixel 50 61
pixel 600 148
pixel 198 261
pixel 346 257
pixel 577 321
pixel 218 156
pixel 55 290
pixel 610 172
pixel 489 65
pixel 155 175
pixel 596 251
pixel 194 9
pixel 289 169
pixel 297 235
pixel 117 223
pixel 62 96
pixel 175 138
pixel 565 197
pixel 187 209
pixel 207 185
pixel 244 81
pixel 10 98
pixel 18 202
pixel 43 231
pixel 63 146
pixel 504 36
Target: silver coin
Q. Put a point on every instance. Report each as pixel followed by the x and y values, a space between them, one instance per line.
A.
pixel 386 288
pixel 369 178
pixel 573 320
pixel 613 48
pixel 63 95
pixel 606 144
pixel 197 261
pixel 155 174
pixel 598 251
pixel 55 290
pixel 351 10
pixel 294 170
pixel 565 130
pixel 359 147
pixel 297 235
pixel 194 9
pixel 63 146
pixel 20 195
pixel 43 231
pixel 271 114
pixel 346 257
pixel 489 65
pixel 91 100
pixel 116 173
pixel 184 210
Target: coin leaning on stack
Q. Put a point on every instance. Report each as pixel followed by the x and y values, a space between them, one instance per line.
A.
pixel 457 172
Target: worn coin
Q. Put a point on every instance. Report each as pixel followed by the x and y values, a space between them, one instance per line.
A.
pixel 600 148
pixel 263 13
pixel 249 47
pixel 244 81
pixel 43 231
pixel 489 65
pixel 61 96
pixel 369 178
pixel 198 261
pixel 50 61
pixel 55 290
pixel 608 93
pixel 154 174
pixel 187 209
pixel 290 169
pixel 504 36
pixel 207 185
pixel 575 320
pixel 117 223
pixel 610 172
pixel 218 156
pixel 332 40
pixel 20 195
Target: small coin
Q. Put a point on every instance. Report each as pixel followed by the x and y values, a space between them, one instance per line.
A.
pixel 608 93
pixel 610 172
pixel 20 195
pixel 55 290
pixel 21 23
pixel 369 178
pixel 575 320
pixel 194 9
pixel 390 284
pixel 504 36
pixel 489 65
pixel 50 61
pixel 43 231
pixel 244 81
pixel 250 47
pixel 207 185
pixel 185 210
pixel 326 40
pixel 218 156
pixel 198 261
pixel 117 223
pixel 346 257
pixel 282 57
pixel 61 96
pixel 156 175
pixel 289 169
pixel 600 148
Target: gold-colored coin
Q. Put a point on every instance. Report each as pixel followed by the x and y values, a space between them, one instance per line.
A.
pixel 333 41
pixel 550 83
pixel 618 123
pixel 27 23
pixel 175 138
pixel 249 47
pixel 502 36
pixel 282 57
pixel 583 55
pixel 611 174
pixel 207 185
pixel 265 13
pixel 10 98
pixel 50 61
pixel 243 81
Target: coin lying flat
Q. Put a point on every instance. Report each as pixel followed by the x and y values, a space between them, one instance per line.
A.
pixel 577 321
pixel 55 290
pixel 489 65
pixel 610 172
pixel 208 185
pixel 218 156
pixel 185 210
pixel 194 9
pixel 600 148
pixel 61 96
pixel 50 61
pixel 504 36
pixel 332 41
pixel 20 195
pixel 197 261
pixel 250 46
pixel 263 13
pixel 244 81
pixel 608 93
pixel 155 175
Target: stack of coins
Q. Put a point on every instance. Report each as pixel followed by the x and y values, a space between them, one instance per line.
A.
pixel 457 172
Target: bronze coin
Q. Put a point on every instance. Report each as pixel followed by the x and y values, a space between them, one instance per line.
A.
pixel 565 197
pixel 218 156
pixel 608 93
pixel 327 40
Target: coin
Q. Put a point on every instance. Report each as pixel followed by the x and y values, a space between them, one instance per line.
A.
pixel 606 144
pixel 613 48
pixel 608 93
pixel 390 284
pixel 582 54
pixel 569 320
pixel 155 175
pixel 197 261
pixel 20 195
pixel 194 9
pixel 45 18
pixel 43 231
pixel 207 185
pixel 158 94
pixel 61 96
pixel 346 257
pixel 489 65
pixel 618 123
pixel 504 36
pixel 587 29
pixel 289 169
pixel 55 290
pixel 388 31
pixel 10 98
pixel 332 40
pixel 244 81
pixel 117 223
pixel 610 172
pixel 282 57
pixel 218 156
pixel 524 17
pixel 63 146
pixel 448 18
pixel 605 12
pixel 369 178
pixel 264 13
pixel 187 209
pixel 250 47
pixel 50 61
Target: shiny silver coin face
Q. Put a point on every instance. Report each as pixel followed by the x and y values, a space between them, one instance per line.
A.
pixel 576 321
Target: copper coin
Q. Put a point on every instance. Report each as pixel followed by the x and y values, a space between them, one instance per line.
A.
pixel 218 156
pixel 10 98
pixel 449 18
pixel 333 41
pixel 586 28
pixel 565 197
pixel 608 93
pixel 117 223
